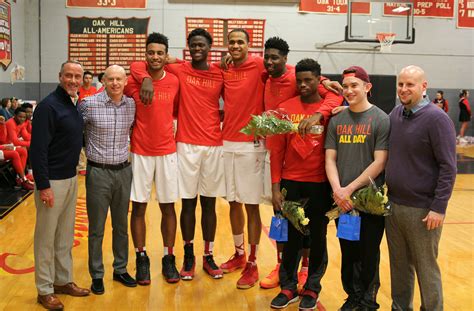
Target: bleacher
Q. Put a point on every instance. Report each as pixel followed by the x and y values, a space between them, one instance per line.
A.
pixel 10 194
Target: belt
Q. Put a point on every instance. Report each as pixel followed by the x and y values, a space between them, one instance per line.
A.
pixel 114 167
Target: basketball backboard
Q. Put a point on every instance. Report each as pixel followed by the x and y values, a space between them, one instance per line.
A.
pixel 367 18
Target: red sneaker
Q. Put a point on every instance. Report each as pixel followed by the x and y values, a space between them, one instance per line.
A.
pixel 30 177
pixel 302 277
pixel 210 267
pixel 249 276
pixel 27 185
pixel 187 271
pixel 272 280
pixel 235 262
pixel 82 172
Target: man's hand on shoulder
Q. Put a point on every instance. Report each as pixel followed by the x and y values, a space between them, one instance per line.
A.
pixel 332 86
pixel 337 110
pixel 226 60
pixel 433 220
pixel 147 91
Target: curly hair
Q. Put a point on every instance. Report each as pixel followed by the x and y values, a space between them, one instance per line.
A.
pixel 200 32
pixel 278 44
pixel 308 64
pixel 159 38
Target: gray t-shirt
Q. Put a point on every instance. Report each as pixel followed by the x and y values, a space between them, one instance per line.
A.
pixel 355 136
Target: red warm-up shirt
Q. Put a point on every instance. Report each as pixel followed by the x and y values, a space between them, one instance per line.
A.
pixel 15 132
pixel 3 134
pixel 243 96
pixel 83 93
pixel 198 114
pixel 152 133
pixel 285 161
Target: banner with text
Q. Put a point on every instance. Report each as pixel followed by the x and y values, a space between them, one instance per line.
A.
pixel 220 27
pixel 333 7
pixel 109 4
pixel 5 35
pixel 422 8
pixel 465 14
pixel 101 41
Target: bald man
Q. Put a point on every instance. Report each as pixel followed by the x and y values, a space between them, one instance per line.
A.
pixel 108 117
pixel 420 175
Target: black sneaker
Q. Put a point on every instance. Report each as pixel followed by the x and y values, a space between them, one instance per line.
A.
pixel 143 270
pixel 168 268
pixel 349 305
pixel 309 300
pixel 189 263
pixel 284 298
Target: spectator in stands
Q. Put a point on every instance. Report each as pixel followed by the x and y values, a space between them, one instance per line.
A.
pixel 4 108
pixel 441 102
pixel 101 84
pixel 17 155
pixel 16 129
pixel 87 89
pixel 14 105
pixel 29 113
pixel 55 146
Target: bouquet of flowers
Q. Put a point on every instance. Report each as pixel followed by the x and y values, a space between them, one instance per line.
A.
pixel 369 199
pixel 294 212
pixel 270 122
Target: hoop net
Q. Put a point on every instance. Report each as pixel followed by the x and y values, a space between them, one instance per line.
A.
pixel 386 40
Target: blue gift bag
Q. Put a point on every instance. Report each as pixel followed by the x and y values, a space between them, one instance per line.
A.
pixel 348 227
pixel 279 228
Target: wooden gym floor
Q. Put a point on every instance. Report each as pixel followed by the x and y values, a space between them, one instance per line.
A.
pixel 18 291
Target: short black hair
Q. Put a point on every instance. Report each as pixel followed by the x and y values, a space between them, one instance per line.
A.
pixel 156 37
pixel 19 110
pixel 87 72
pixel 308 64
pixel 462 93
pixel 240 30
pixel 278 44
pixel 441 92
pixel 200 32
pixel 100 76
pixel 26 106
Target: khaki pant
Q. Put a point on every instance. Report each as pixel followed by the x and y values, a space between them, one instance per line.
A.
pixel 54 236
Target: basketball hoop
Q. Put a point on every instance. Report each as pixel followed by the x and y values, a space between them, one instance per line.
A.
pixel 386 40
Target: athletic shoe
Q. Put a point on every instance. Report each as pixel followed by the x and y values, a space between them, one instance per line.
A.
pixel 302 277
pixel 143 270
pixel 309 300
pixel 168 268
pixel 189 263
pixel 30 177
pixel 272 280
pixel 283 299
pixel 249 276
pixel 82 172
pixel 210 267
pixel 349 305
pixel 235 262
pixel 27 185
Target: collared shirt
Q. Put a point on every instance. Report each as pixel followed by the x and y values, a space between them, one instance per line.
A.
pixel 107 127
pixel 408 112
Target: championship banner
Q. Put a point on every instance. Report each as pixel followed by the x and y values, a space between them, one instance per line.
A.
pixel 220 27
pixel 5 35
pixel 333 7
pixel 465 14
pixel 109 4
pixel 422 8
pixel 101 41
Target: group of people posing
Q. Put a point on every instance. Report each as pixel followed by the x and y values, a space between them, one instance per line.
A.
pixel 205 160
